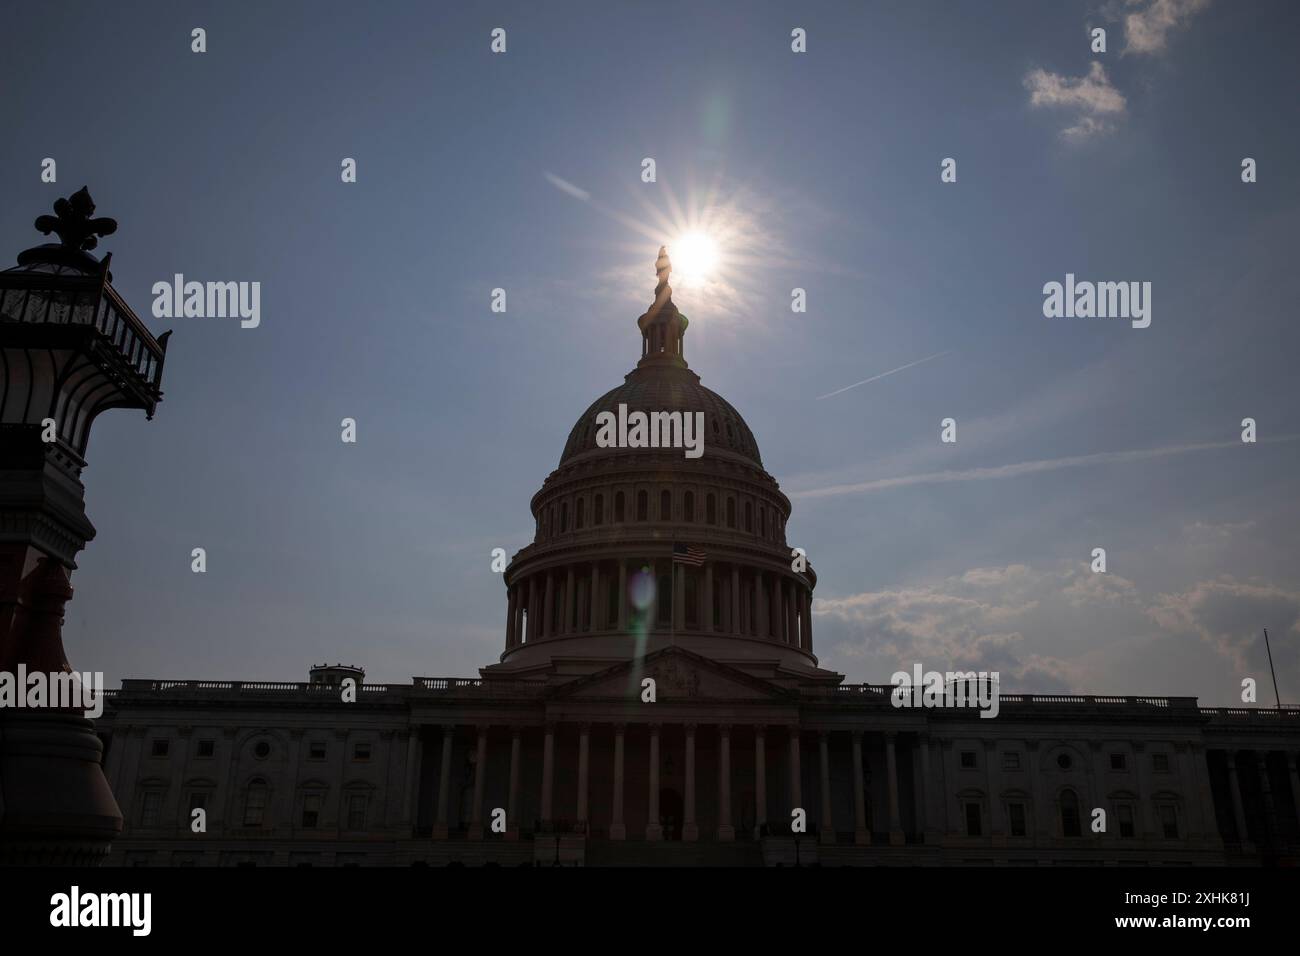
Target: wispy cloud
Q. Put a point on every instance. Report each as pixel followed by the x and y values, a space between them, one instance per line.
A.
pixel 1022 468
pixel 564 186
pixel 1147 28
pixel 1093 99
pixel 885 374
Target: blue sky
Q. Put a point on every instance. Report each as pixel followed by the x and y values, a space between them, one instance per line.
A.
pixel 824 168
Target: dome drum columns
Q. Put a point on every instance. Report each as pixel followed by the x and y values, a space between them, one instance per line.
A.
pixel 594 597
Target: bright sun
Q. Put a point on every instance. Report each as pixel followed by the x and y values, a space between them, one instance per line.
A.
pixel 694 256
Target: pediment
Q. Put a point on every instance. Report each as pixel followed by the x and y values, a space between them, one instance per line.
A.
pixel 679 675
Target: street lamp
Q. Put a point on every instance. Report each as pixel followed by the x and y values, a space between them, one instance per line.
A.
pixel 70 348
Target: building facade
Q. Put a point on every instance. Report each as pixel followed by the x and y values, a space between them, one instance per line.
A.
pixel 658 700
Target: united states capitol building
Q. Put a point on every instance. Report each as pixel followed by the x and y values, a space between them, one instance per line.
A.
pixel 658 700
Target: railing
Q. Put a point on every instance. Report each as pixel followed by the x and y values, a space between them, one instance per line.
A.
pixel 84 300
pixel 137 686
pixel 1086 700
pixel 1287 712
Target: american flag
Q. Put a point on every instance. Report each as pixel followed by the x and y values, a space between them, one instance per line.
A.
pixel 685 554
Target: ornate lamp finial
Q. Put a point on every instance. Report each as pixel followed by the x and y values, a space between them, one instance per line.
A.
pixel 73 223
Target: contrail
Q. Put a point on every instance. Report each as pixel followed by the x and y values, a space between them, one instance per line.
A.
pixel 1023 468
pixel 565 186
pixel 883 374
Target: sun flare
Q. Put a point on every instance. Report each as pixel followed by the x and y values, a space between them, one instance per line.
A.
pixel 694 256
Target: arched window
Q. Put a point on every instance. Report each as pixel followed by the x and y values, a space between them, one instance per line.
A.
pixel 1070 814
pixel 749 517
pixel 688 506
pixel 665 506
pixel 598 510
pixel 255 799
pixel 642 506
pixel 710 510
pixel 564 517
pixel 580 514
pixel 618 506
pixel 731 512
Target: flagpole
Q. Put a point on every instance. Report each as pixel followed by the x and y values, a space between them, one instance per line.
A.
pixel 1276 696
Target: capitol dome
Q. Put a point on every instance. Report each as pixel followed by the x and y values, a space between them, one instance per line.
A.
pixel 638 546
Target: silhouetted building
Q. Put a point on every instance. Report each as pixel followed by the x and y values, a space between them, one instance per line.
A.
pixel 648 563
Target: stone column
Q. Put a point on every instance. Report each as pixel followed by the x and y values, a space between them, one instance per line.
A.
pixel 1193 754
pixel 548 612
pixel 926 802
pixel 654 829
pixel 444 782
pixel 796 773
pixel 708 597
pixel 622 594
pixel 512 804
pixel 480 773
pixel 753 603
pixel 827 822
pixel 690 830
pixel 896 837
pixel 412 782
pixel 584 737
pixel 1041 824
pixel 534 611
pixel 726 832
pixel 807 620
pixel 791 622
pixel 760 778
pixel 733 625
pixel 860 834
pixel 778 609
pixel 993 779
pixel 548 774
pixel 510 616
pixel 762 603
pixel 289 783
pixel 567 625
pixel 1266 792
pixel 679 596
pixel 1144 828
pixel 1238 810
pixel 593 612
pixel 617 829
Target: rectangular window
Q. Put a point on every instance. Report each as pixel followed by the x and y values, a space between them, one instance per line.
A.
pixel 1070 820
pixel 151 808
pixel 311 811
pixel 254 806
pixel 1169 821
pixel 316 750
pixel 158 749
pixel 357 812
pixel 1125 814
pixel 198 801
pixel 1016 813
pixel 1160 763
pixel 1011 760
pixel 361 751
pixel 968 760
pixel 1118 762
pixel 207 748
pixel 972 819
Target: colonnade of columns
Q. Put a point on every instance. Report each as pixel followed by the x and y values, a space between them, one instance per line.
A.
pixel 690 830
pixel 723 599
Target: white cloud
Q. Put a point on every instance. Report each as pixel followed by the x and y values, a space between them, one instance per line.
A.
pixel 1093 99
pixel 1231 615
pixel 1147 28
